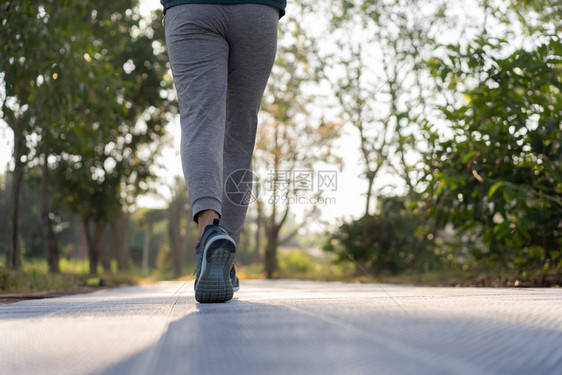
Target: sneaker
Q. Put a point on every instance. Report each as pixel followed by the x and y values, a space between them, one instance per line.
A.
pixel 215 256
pixel 234 280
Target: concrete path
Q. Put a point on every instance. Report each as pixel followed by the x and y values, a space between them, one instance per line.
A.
pixel 286 327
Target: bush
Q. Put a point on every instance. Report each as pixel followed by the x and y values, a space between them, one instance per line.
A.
pixel 391 241
pixel 295 263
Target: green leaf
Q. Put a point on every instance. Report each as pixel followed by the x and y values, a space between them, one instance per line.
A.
pixel 494 188
pixel 502 230
pixel 508 194
pixel 413 204
pixel 466 157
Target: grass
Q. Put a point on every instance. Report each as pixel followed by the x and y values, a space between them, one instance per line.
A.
pixel 34 276
pixel 292 264
pixel 297 264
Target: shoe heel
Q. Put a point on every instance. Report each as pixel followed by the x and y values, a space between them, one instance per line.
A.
pixel 214 284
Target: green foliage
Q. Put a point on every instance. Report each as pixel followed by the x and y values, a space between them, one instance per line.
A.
pixel 86 83
pixel 295 262
pixel 392 240
pixel 107 152
pixel 500 174
pixel 538 16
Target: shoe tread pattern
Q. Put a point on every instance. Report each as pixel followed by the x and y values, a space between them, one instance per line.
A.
pixel 214 284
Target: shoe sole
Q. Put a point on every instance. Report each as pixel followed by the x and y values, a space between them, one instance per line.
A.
pixel 214 284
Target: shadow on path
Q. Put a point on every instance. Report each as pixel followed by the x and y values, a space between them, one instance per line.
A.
pixel 253 338
pixel 241 337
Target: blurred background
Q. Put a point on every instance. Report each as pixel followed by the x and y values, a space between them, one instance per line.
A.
pixel 399 140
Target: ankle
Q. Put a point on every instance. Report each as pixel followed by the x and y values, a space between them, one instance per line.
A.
pixel 205 218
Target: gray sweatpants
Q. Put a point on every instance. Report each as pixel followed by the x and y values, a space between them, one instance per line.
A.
pixel 221 57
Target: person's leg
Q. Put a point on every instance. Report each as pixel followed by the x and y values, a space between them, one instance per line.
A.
pixel 199 54
pixel 252 36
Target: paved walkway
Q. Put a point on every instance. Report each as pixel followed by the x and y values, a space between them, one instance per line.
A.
pixel 287 327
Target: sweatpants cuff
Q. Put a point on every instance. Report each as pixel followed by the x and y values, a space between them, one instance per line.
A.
pixel 205 203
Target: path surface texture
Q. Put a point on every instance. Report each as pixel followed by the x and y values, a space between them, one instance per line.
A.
pixel 286 327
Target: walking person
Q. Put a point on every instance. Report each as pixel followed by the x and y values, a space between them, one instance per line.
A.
pixel 221 53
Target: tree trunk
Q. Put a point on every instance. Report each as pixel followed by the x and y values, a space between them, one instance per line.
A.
pixel 176 242
pixel 179 221
pixel 174 233
pixel 177 248
pixel 258 231
pixel 369 195
pixel 94 244
pixel 271 255
pixel 545 254
pixel 93 260
pixel 50 244
pixel 177 257
pixel 271 246
pixel 145 250
pixel 13 251
pixel 105 255
pixel 120 238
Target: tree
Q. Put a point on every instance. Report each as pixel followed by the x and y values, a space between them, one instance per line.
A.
pixel 29 74
pixel 19 23
pixel 379 79
pixel 288 131
pixel 107 159
pixel 499 175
